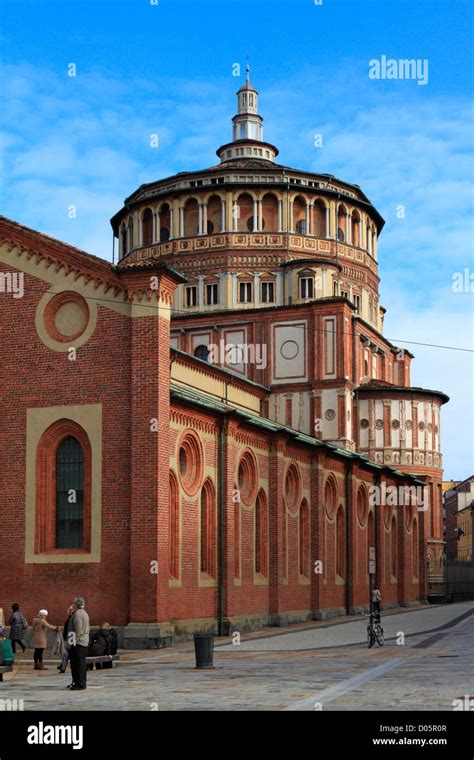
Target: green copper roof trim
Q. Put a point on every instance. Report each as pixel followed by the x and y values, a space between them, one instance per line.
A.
pixel 206 402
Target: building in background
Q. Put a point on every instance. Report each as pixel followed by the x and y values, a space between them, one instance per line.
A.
pixel 459 509
pixel 196 437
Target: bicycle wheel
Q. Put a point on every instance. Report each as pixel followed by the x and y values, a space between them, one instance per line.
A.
pixel 379 635
pixel 370 638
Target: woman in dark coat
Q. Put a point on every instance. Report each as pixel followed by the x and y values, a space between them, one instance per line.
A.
pixel 112 642
pixel 18 625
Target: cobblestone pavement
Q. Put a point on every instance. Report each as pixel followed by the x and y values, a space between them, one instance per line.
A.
pixel 293 670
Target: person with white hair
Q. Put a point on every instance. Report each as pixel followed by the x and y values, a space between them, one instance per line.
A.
pixel 40 630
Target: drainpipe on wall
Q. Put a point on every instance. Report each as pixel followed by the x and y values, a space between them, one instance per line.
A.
pixel 221 518
pixel 348 511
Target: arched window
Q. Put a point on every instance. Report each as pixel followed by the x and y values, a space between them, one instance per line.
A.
pixel 164 223
pixel 261 534
pixel 270 212
pixel 174 526
pixel 341 223
pixel 340 544
pixel 69 494
pixel 299 215
pixel 355 224
pixel 243 213
pixel 130 235
pixel 304 539
pixel 214 214
pixel 124 240
pixel 63 489
pixel 191 218
pixel 208 529
pixel 393 547
pixel 147 227
pixel 319 219
pixel 202 352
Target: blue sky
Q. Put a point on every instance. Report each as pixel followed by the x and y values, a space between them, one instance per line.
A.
pixel 168 69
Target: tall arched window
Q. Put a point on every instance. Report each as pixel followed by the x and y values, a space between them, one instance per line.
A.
pixel 393 547
pixel 261 534
pixel 208 529
pixel 319 219
pixel 63 489
pixel 147 227
pixel 355 228
pixel 341 223
pixel 304 539
pixel 174 527
pixel 123 236
pixel 299 215
pixel 340 544
pixel 69 494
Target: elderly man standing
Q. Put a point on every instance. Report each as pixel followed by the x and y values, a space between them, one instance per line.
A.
pixel 77 643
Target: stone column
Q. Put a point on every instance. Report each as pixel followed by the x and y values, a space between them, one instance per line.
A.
pixel 280 215
pixel 278 293
pixel 256 289
pixel 308 218
pixel 181 221
pixel 234 289
pixel 255 216
pixel 223 216
pixel 201 279
pixel 200 219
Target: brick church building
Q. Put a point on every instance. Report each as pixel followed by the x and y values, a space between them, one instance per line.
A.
pixel 202 436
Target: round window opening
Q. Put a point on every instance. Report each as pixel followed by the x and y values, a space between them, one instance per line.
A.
pixel 66 316
pixel 292 486
pixel 247 478
pixel 190 461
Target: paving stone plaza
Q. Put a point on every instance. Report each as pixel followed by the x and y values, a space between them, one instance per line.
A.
pixel 427 663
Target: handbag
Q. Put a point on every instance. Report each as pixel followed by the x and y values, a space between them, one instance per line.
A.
pixel 58 646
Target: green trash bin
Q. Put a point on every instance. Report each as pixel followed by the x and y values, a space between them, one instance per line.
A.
pixel 204 649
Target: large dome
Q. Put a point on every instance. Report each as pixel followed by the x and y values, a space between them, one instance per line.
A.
pixel 248 219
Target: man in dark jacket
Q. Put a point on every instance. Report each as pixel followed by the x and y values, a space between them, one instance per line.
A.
pixel 102 642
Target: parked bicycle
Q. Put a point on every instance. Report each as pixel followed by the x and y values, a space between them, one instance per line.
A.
pixel 374 630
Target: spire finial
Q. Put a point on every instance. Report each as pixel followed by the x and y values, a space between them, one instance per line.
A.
pixel 247 69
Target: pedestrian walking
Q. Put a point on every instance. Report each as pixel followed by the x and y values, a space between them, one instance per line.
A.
pixel 40 631
pixel 62 667
pixel 77 644
pixel 18 625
